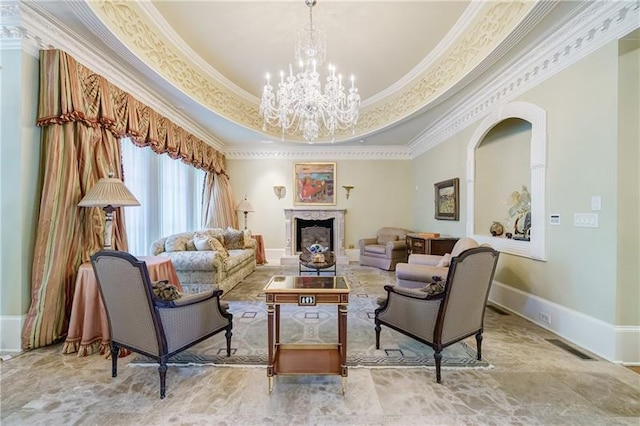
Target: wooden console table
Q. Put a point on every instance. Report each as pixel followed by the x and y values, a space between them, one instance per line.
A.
pixel 306 358
pixel 421 245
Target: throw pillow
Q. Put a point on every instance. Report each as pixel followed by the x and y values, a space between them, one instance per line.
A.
pixel 233 239
pixel 247 238
pixel 384 239
pixel 445 261
pixel 434 288
pixel 201 242
pixel 176 242
pixel 191 246
pixel 217 246
pixel 162 290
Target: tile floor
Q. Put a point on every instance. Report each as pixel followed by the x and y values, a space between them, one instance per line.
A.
pixel 531 382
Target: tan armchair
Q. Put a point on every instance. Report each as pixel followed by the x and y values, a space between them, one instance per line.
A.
pixel 143 322
pixel 442 319
pixel 421 268
pixel 386 249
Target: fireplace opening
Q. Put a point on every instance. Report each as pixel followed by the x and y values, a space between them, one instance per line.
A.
pixel 314 231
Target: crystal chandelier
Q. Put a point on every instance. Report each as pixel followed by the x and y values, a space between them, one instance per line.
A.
pixel 300 105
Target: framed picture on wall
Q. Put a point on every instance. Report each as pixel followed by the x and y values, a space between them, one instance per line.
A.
pixel 446 199
pixel 314 184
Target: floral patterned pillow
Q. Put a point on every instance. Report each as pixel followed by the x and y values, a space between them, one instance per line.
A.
pixel 162 290
pixel 176 242
pixel 233 239
pixel 217 245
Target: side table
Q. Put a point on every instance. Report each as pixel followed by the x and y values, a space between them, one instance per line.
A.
pixel 261 257
pixel 88 325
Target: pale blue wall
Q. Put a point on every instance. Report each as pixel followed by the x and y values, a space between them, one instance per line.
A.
pixel 19 186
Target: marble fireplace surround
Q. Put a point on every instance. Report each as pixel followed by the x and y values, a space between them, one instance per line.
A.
pixel 290 215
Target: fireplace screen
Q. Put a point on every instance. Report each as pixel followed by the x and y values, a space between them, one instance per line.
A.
pixel 314 232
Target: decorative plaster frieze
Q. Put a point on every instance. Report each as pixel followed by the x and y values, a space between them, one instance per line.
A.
pixel 50 34
pixel 600 23
pixel 156 47
pixel 324 154
pixel 126 20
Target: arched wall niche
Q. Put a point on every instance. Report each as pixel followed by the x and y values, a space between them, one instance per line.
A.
pixel 536 248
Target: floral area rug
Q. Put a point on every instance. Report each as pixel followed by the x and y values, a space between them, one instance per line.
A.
pixel 318 324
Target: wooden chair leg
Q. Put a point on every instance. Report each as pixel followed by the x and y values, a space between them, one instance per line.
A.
pixel 479 344
pixel 115 351
pixel 377 335
pixel 228 335
pixel 162 370
pixel 438 356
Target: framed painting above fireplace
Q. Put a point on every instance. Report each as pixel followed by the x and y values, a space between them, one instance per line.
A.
pixel 314 184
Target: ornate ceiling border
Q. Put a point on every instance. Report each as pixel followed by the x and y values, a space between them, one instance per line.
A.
pixel 320 153
pixel 38 30
pixel 134 27
pixel 597 24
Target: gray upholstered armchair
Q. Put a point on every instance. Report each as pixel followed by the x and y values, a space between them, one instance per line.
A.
pixel 440 317
pixel 386 249
pixel 421 268
pixel 142 322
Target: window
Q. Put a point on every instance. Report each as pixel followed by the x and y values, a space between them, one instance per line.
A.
pixel 170 195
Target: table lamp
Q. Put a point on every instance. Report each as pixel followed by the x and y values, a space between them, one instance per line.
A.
pixel 245 207
pixel 108 193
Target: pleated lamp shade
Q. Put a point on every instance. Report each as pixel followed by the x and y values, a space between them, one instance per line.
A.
pixel 109 192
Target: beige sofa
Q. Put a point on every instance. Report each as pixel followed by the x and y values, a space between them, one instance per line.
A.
pixel 208 257
pixel 386 249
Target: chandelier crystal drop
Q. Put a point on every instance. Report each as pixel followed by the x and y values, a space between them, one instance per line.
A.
pixel 300 104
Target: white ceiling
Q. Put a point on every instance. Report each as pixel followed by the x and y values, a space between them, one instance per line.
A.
pixel 385 44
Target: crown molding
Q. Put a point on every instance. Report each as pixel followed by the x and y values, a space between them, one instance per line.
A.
pixel 320 153
pixel 599 23
pixel 49 33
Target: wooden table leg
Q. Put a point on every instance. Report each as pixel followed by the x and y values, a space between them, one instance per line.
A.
pixel 271 345
pixel 342 340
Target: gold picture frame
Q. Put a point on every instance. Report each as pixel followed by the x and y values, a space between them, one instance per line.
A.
pixel 314 184
pixel 447 205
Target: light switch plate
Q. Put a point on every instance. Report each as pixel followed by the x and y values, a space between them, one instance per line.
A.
pixel 554 219
pixel 585 220
pixel 596 203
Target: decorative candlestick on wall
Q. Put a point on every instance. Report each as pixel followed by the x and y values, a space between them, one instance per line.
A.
pixel 348 188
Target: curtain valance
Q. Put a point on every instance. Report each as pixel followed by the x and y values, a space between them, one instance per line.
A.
pixel 99 103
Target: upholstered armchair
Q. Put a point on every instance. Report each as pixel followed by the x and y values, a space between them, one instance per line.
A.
pixel 386 249
pixel 156 324
pixel 441 316
pixel 422 268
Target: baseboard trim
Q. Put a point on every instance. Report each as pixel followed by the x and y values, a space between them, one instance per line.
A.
pixel 618 344
pixel 11 332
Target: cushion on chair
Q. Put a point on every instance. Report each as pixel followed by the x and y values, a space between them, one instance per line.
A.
pixel 162 290
pixel 386 238
pixel 463 244
pixel 433 288
pixel 445 261
pixel 375 248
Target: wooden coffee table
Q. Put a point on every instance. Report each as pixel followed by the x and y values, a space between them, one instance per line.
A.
pixel 306 358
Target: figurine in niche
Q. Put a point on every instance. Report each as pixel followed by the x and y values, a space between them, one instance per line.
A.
pixel 496 229
pixel 520 214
